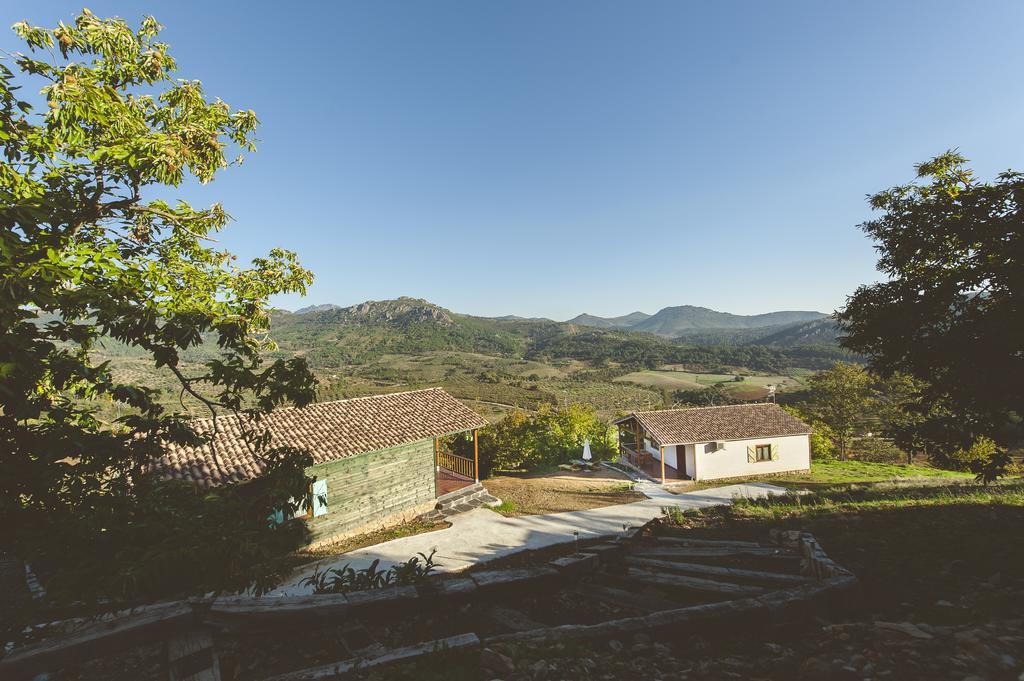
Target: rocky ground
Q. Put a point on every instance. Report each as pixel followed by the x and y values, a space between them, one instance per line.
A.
pixel 825 651
pixel 562 491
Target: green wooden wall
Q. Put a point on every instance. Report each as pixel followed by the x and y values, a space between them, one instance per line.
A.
pixel 368 487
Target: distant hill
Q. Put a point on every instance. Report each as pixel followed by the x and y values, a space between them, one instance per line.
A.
pixel 317 308
pixel 623 322
pixel 817 332
pixel 672 322
pixel 338 336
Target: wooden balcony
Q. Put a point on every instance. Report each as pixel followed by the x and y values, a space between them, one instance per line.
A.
pixel 453 472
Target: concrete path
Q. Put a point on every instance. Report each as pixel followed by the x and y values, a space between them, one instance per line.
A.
pixel 482 535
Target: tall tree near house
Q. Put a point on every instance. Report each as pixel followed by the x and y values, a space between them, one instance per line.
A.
pixel 950 312
pixel 87 252
pixel 902 412
pixel 841 398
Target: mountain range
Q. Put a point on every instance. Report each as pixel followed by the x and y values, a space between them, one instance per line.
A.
pixel 415 324
pixel 673 322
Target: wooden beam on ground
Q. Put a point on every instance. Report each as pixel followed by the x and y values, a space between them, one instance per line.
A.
pixel 254 614
pixel 684 620
pixel 687 541
pixel 512 620
pixel 673 581
pixel 637 601
pixel 191 657
pixel 102 639
pixel 462 642
pixel 683 552
pixel 506 580
pixel 736 574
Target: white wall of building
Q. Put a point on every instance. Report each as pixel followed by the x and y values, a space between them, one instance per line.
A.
pixel 670 453
pixel 731 462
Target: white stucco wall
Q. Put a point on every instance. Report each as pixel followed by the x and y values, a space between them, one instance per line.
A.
pixel 731 462
pixel 670 455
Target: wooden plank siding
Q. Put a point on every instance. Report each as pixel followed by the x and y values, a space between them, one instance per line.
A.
pixel 368 487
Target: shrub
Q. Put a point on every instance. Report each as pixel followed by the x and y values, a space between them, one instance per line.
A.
pixel 984 458
pixel 551 436
pixel 347 579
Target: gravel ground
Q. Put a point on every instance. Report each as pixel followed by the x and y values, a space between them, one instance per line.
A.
pixel 575 491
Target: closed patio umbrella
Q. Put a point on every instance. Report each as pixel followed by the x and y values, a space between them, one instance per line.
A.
pixel 586 450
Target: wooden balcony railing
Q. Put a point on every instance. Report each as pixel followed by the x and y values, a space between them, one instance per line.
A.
pixel 459 465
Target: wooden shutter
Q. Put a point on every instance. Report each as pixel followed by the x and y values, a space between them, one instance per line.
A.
pixel 751 454
pixel 775 452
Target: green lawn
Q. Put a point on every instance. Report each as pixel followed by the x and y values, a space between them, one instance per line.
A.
pixel 911 546
pixel 825 473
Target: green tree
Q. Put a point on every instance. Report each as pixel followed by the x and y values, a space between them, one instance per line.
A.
pixel 840 398
pixel 89 251
pixel 508 444
pixel 952 249
pixel 547 437
pixel 823 441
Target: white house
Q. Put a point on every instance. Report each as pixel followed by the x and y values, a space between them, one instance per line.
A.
pixel 710 443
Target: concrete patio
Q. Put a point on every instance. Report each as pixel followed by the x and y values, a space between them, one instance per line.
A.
pixel 483 535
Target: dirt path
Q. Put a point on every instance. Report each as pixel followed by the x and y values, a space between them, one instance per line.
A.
pixel 569 491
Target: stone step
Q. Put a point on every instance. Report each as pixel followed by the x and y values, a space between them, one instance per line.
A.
pixel 458 494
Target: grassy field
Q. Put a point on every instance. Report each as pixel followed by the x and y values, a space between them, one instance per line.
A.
pixel 910 546
pixel 750 387
pixel 837 473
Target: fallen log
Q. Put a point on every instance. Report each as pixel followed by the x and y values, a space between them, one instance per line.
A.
pixel 709 586
pixel 700 570
pixel 464 642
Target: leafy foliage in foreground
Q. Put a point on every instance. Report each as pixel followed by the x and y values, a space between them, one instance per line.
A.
pixel 949 313
pixel 346 579
pixel 90 251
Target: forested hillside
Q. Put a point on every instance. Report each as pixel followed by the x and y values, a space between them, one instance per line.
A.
pixel 381 346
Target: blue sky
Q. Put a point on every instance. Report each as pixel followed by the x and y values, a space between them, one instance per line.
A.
pixel 552 158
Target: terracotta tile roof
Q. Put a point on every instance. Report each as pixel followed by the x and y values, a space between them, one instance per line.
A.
pixel 709 424
pixel 328 430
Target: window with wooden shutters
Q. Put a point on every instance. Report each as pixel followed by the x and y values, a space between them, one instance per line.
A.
pixel 762 453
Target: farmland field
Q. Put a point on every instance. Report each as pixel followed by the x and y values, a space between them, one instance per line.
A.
pixel 749 387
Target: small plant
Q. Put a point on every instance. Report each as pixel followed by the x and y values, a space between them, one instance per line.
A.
pixel 505 507
pixel 673 514
pixel 346 579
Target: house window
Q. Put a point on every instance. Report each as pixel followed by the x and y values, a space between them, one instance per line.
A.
pixel 763 453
